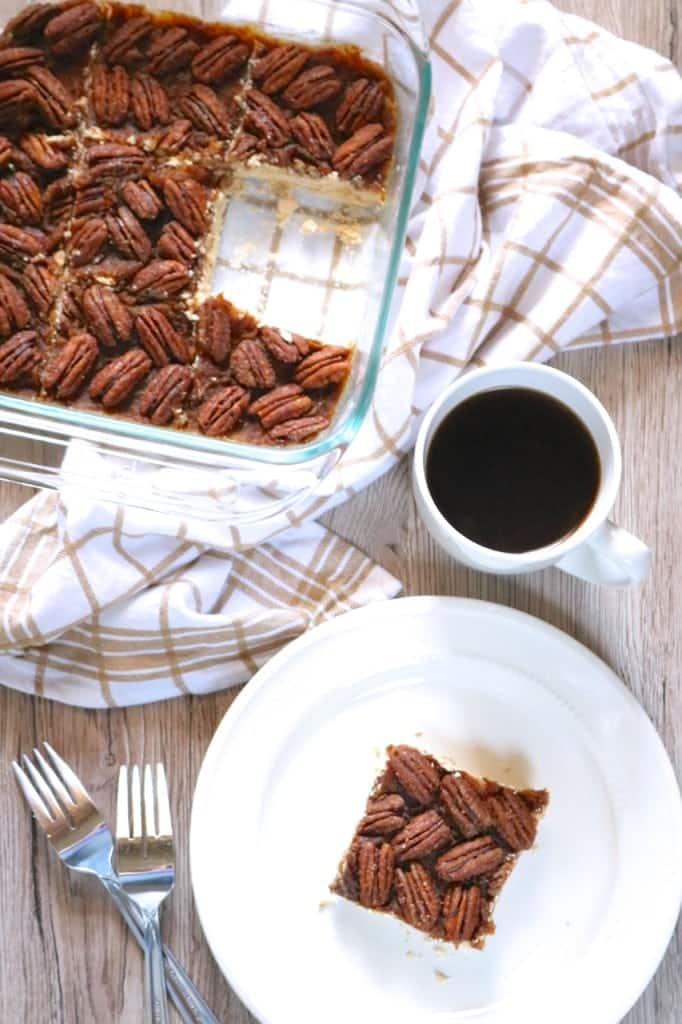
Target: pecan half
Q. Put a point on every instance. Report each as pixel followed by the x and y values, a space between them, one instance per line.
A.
pixel 220 59
pixel 286 403
pixel 14 60
pixel 462 911
pixel 72 367
pixel 170 50
pixel 464 804
pixel 40 286
pixel 418 774
pixel 160 279
pixel 17 100
pixel 424 834
pixel 112 271
pixel 128 236
pixel 470 859
pixel 52 99
pixel 6 151
pixel 367 148
pixel 285 346
pixel 21 199
pixel 21 243
pixel 92 199
pixel 110 89
pixel 277 68
pixel 282 157
pixel 142 199
pixel 187 200
pixel 107 317
pixel 175 136
pixel 149 101
pixel 73 29
pixel 14 313
pixel 19 161
pixel 18 356
pixel 251 364
pixel 165 393
pixel 123 46
pixel 328 365
pixel 87 240
pixel 313 136
pixel 417 897
pixel 384 815
pixel 375 864
pixel 299 430
pixel 46 152
pixel 245 145
pixel 361 104
pixel 115 159
pixel 58 200
pixel 214 329
pixel 311 88
pixel 116 381
pixel 70 318
pixel 512 820
pixel 346 882
pixel 55 237
pixel 206 111
pixel 30 21
pixel 497 879
pixel 221 413
pixel 265 119
pixel 159 338
pixel 175 243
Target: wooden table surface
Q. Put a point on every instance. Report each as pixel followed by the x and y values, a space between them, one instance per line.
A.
pixel 67 959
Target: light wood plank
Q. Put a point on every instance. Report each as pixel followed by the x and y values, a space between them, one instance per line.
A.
pixel 68 960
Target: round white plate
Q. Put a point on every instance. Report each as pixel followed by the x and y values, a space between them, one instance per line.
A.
pixel 585 917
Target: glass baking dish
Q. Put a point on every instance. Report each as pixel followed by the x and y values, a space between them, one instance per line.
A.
pixel 290 256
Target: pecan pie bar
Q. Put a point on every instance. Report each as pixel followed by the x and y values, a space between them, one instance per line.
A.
pixel 324 114
pixel 122 135
pixel 435 847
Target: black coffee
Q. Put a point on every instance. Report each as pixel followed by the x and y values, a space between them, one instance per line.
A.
pixel 513 469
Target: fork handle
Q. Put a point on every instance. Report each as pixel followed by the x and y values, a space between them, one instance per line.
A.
pixel 187 999
pixel 155 1001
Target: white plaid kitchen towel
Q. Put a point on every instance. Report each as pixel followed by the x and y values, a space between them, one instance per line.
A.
pixel 547 216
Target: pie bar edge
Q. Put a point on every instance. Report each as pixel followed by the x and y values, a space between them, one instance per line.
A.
pixel 435 846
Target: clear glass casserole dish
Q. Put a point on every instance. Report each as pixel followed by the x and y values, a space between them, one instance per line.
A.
pixel 294 257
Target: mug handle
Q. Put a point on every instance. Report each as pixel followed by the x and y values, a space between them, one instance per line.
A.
pixel 611 555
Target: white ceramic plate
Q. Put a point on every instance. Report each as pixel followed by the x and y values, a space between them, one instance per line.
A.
pixel 586 916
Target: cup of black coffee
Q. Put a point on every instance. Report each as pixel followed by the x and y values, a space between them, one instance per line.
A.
pixel 517 468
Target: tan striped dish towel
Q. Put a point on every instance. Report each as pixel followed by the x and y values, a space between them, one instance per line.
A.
pixel 547 216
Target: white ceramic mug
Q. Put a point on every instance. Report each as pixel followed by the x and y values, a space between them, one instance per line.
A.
pixel 597 550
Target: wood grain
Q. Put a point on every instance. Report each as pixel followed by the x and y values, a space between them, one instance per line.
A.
pixel 68 960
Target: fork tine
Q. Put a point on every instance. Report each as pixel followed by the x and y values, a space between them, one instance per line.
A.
pixel 32 798
pixel 69 777
pixel 148 802
pixel 136 800
pixel 58 788
pixel 122 809
pixel 54 808
pixel 163 803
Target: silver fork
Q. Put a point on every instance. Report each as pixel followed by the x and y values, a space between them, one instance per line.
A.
pixel 145 864
pixel 83 842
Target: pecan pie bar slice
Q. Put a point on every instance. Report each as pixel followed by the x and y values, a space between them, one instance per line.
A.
pixel 262 384
pixel 141 230
pixel 318 115
pixel 435 847
pixel 168 84
pixel 44 51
